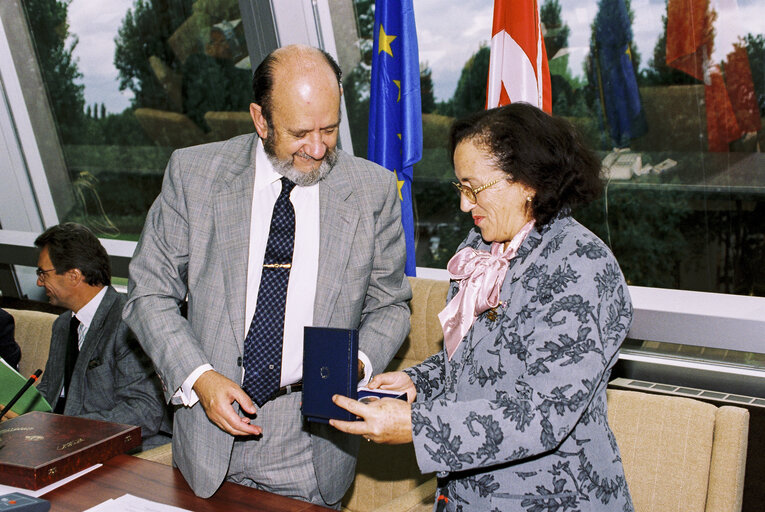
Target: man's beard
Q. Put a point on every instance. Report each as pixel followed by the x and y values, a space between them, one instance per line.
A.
pixel 300 178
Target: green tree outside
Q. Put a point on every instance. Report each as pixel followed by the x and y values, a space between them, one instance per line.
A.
pixel 470 95
pixel 55 46
pixel 144 33
pixel 755 49
pixel 565 89
pixel 427 97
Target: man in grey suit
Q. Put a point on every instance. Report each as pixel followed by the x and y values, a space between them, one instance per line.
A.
pixel 95 367
pixel 205 240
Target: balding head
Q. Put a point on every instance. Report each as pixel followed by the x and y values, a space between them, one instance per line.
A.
pixel 289 63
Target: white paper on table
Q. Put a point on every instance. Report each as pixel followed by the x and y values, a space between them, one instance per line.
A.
pixel 5 489
pixel 130 503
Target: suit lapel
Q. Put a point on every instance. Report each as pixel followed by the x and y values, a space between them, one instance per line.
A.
pixel 233 209
pixel 339 217
pixel 97 331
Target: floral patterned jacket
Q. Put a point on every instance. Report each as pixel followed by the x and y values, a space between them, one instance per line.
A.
pixel 517 419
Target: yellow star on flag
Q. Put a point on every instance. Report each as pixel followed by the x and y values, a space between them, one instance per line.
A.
pixel 400 184
pixel 398 84
pixel 384 42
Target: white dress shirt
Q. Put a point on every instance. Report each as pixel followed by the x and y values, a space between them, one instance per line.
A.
pixel 301 290
pixel 85 315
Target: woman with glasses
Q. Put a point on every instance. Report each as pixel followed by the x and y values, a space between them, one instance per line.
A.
pixel 511 415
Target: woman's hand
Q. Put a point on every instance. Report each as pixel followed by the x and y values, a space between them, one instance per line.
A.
pixel 395 381
pixel 384 421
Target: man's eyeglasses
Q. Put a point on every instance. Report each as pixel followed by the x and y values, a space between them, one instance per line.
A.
pixel 471 193
pixel 42 273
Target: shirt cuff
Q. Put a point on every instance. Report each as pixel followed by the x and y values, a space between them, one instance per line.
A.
pixel 368 370
pixel 186 394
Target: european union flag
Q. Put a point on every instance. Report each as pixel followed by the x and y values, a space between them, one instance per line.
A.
pixel 395 114
pixel 614 73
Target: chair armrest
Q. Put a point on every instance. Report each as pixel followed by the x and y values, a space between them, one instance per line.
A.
pixel 726 473
pixel 419 499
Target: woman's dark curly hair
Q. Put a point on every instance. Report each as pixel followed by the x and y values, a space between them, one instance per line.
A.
pixel 542 152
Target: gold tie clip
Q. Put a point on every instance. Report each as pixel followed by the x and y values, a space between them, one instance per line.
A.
pixel 277 265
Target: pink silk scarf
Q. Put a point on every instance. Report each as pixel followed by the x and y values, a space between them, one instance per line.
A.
pixel 480 275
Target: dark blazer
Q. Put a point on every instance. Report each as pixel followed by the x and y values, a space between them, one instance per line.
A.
pixel 113 380
pixel 517 419
pixel 9 349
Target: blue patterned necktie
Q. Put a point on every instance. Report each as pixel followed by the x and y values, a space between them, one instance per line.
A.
pixel 263 344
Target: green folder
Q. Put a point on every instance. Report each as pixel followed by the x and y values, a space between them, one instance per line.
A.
pixel 11 382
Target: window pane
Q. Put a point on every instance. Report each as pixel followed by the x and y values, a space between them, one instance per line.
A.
pixel 681 144
pixel 129 81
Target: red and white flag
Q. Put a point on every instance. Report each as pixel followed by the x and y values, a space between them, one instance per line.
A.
pixel 518 69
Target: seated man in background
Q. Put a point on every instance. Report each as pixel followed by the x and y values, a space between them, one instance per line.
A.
pixel 9 349
pixel 96 368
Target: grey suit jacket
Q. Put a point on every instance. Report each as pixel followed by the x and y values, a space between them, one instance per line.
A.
pixel 195 245
pixel 516 420
pixel 113 380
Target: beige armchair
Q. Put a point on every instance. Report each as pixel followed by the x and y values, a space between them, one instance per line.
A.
pixel 679 453
pixel 32 333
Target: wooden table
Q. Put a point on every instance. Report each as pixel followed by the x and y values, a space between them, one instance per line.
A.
pixel 125 474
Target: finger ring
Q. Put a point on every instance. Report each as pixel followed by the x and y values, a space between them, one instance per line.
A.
pixel 368 440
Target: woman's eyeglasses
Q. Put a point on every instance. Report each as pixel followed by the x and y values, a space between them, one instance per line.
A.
pixel 471 193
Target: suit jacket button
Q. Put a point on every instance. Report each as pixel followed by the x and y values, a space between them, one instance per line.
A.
pixel 239 361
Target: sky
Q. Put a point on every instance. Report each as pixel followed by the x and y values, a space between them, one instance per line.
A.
pixel 447 37
pixel 95 22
